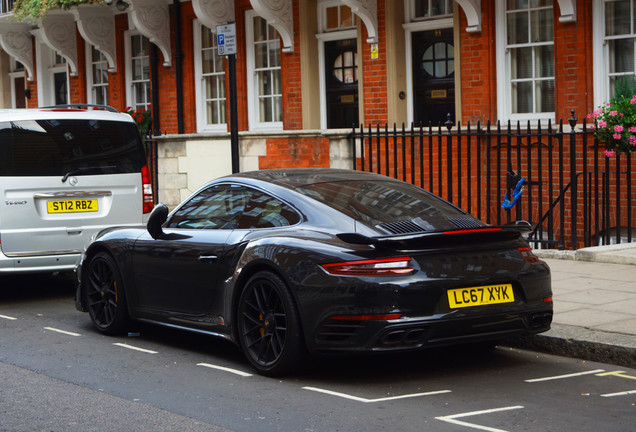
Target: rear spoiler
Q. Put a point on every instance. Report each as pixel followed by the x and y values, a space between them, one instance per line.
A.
pixel 439 238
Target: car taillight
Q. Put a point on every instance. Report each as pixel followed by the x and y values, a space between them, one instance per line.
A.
pixel 528 255
pixel 376 267
pixel 148 201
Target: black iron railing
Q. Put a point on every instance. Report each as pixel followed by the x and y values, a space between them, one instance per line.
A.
pixel 559 181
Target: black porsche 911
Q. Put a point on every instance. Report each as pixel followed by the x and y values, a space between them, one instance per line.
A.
pixel 290 262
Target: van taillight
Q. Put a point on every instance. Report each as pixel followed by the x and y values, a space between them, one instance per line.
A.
pixel 148 202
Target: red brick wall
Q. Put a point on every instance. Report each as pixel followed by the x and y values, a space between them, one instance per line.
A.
pixel 296 152
pixel 77 83
pixel 187 47
pixel 291 82
pixel 478 67
pixel 117 81
pixel 573 64
pixel 374 73
pixel 241 67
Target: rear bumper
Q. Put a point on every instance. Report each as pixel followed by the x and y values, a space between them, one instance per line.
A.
pixel 39 264
pixel 412 334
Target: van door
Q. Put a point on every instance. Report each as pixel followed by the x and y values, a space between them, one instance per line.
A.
pixel 42 218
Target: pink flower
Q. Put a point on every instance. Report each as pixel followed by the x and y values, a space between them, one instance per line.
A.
pixel 618 128
pixel 632 129
pixel 614 113
pixel 609 152
pixel 632 140
pixel 597 112
pixel 602 123
pixel 633 101
pixel 592 126
pixel 617 136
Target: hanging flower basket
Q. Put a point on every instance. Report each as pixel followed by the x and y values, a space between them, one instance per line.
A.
pixel 142 118
pixel 614 124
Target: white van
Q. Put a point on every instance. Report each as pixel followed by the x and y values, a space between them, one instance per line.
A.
pixel 65 173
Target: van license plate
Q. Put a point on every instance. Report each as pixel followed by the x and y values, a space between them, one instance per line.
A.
pixel 72 206
pixel 482 295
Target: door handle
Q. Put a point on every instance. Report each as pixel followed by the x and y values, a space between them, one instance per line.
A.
pixel 73 231
pixel 208 258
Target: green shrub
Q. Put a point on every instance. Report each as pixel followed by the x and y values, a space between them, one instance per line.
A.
pixel 35 9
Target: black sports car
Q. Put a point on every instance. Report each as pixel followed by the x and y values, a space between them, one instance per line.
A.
pixel 284 262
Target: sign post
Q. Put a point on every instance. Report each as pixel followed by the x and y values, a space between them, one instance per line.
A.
pixel 226 42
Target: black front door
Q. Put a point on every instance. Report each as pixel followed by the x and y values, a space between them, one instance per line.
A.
pixel 434 76
pixel 60 88
pixel 341 77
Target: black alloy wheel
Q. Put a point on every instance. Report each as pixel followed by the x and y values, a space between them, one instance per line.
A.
pixel 105 295
pixel 268 325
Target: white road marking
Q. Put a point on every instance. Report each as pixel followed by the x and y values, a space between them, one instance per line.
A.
pixel 565 376
pixel 62 331
pixel 225 369
pixel 451 418
pixel 123 345
pixel 8 317
pixel 364 400
pixel 625 393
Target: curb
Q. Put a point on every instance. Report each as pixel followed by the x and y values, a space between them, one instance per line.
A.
pixel 624 253
pixel 586 344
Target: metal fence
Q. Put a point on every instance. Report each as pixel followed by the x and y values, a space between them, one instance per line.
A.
pixel 559 181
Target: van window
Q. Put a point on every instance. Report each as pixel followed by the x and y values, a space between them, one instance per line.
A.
pixel 69 147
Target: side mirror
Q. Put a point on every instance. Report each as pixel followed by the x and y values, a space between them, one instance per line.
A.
pixel 156 219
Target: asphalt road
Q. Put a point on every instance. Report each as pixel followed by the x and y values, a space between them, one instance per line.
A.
pixel 58 374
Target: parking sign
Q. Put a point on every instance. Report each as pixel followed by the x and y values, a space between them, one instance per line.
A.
pixel 226 39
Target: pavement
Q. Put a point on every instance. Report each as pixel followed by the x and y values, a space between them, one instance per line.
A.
pixel 594 294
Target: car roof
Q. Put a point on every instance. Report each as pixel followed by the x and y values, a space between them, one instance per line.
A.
pixel 63 113
pixel 297 177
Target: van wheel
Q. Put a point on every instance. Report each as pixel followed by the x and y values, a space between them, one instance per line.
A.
pixel 105 295
pixel 268 325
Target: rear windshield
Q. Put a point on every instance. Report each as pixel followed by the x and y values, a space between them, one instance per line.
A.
pixel 74 147
pixel 382 203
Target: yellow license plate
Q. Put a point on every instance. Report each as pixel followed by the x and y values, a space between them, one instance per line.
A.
pixel 482 295
pixel 72 206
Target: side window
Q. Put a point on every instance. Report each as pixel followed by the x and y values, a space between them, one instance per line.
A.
pixel 97 76
pixel 264 211
pixel 218 207
pixel 210 81
pixel 264 88
pixel 138 72
pixel 526 59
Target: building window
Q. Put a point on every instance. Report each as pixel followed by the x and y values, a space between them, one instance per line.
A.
pixel 336 18
pixel 97 77
pixel 422 9
pixel 619 38
pixel 139 72
pixel 210 81
pixel 264 72
pixel 528 50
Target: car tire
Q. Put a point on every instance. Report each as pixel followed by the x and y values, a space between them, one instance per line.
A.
pixel 268 325
pixel 105 296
